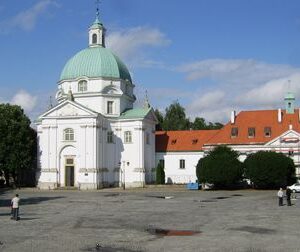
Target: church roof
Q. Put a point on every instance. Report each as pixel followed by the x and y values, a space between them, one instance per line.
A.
pixel 261 120
pixel 182 140
pixel 135 113
pixel 95 62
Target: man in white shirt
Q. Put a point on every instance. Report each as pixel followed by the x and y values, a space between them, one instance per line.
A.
pixel 280 197
pixel 15 207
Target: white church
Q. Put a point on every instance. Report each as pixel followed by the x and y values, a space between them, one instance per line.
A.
pixel 93 137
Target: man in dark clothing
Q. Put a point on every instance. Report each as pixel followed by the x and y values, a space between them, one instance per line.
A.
pixel 288 196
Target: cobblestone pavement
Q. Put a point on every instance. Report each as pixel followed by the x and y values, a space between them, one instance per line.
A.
pixel 153 219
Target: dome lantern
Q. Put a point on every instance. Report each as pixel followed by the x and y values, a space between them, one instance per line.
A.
pixel 97 32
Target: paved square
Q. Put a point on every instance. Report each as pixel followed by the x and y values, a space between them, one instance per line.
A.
pixel 139 220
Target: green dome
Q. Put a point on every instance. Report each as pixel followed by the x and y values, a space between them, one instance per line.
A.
pixel 95 62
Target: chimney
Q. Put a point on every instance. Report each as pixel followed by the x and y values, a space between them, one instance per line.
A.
pixel 232 117
pixel 279 116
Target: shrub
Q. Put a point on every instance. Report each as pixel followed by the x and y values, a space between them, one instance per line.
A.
pixel 268 169
pixel 160 174
pixel 220 167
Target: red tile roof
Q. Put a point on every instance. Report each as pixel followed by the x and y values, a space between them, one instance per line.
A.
pixel 182 140
pixel 259 120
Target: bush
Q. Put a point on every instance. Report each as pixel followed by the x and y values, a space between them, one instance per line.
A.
pixel 268 169
pixel 160 175
pixel 220 167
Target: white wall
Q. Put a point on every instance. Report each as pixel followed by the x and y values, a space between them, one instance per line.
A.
pixel 173 174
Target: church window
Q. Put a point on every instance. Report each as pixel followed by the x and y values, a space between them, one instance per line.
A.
pixel 94 39
pixel 234 132
pixel 82 86
pixel 69 134
pixel 267 131
pixel 251 132
pixel 127 137
pixel 110 137
pixel 182 164
pixel 110 107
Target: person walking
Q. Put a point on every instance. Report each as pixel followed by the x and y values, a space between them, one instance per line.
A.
pixel 15 207
pixel 288 194
pixel 280 196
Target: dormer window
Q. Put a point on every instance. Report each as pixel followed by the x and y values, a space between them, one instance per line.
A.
pixel 251 132
pixel 267 131
pixel 94 38
pixel 194 141
pixel 234 132
pixel 82 86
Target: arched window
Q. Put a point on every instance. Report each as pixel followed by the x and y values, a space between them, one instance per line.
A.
pixel 82 86
pixel 94 39
pixel 69 134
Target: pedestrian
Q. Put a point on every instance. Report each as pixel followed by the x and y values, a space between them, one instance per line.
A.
pixel 15 207
pixel 288 193
pixel 280 196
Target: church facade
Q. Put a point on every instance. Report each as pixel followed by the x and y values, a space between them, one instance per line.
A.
pixel 93 137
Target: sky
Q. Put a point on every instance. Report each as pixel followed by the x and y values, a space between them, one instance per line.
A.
pixel 212 56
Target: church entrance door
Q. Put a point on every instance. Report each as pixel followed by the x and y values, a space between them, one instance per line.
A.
pixel 69 171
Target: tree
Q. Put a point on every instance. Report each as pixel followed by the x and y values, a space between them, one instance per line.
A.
pixel 160 119
pixel 269 169
pixel 160 174
pixel 175 118
pixel 200 124
pixel 220 167
pixel 17 142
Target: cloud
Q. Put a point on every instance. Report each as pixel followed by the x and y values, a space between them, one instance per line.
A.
pixel 131 44
pixel 246 72
pixel 25 100
pixel 26 20
pixel 236 84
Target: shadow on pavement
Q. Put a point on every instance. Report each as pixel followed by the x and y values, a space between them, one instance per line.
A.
pixel 29 201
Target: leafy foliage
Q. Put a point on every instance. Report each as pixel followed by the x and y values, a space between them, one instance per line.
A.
pixel 220 167
pixel 175 118
pixel 17 142
pixel 200 124
pixel 160 174
pixel 268 169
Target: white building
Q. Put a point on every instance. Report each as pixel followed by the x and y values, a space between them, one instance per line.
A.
pixel 247 132
pixel 179 153
pixel 93 137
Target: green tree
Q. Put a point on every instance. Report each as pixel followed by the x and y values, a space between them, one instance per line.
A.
pixel 160 174
pixel 268 169
pixel 175 118
pixel 200 124
pixel 160 119
pixel 17 142
pixel 220 167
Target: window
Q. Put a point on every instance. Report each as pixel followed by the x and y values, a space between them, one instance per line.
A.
pixel 174 141
pixel 251 132
pixel 162 163
pixel 82 86
pixel 182 164
pixel 147 138
pixel 267 131
pixel 127 137
pixel 110 137
pixel 194 141
pixel 94 39
pixel 69 134
pixel 234 132
pixel 110 107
